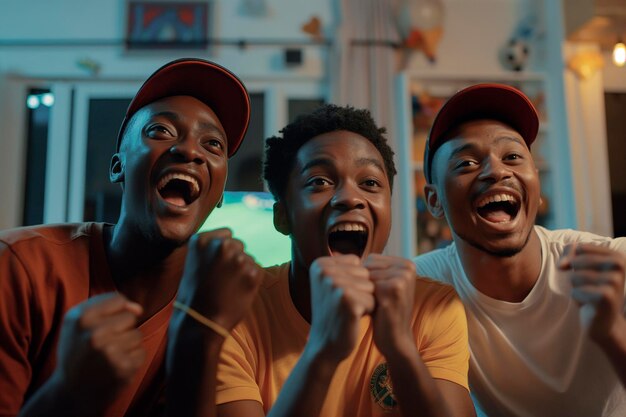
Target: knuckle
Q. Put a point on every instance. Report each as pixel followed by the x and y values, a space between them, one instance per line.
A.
pixel 97 338
pixel 237 244
pixel 110 351
pixel 606 295
pixel 82 321
pixel 396 287
pixel 408 265
pixel 321 263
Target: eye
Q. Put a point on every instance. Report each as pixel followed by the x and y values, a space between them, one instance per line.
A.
pixel 465 163
pixel 214 143
pixel 158 130
pixel 512 157
pixel 318 182
pixel 372 183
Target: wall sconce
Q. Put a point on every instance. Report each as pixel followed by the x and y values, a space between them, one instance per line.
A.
pixel 619 53
pixel 585 64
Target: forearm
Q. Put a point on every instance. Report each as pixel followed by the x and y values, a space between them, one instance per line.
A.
pixel 54 398
pixel 614 347
pixel 192 358
pixel 414 387
pixel 305 390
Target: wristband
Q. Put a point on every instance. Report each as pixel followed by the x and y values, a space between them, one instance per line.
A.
pixel 203 320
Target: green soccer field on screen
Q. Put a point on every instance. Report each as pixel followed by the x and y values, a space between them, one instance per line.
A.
pixel 249 215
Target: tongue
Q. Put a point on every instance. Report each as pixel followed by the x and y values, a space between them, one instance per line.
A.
pixel 173 197
pixel 497 216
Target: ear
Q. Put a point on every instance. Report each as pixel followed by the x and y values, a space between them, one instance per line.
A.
pixel 219 203
pixel 281 223
pixel 433 201
pixel 116 170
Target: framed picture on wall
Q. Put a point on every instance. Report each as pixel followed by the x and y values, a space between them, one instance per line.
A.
pixel 167 25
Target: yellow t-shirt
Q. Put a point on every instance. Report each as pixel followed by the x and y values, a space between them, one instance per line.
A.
pixel 263 349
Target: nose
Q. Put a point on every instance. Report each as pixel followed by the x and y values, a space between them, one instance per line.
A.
pixel 494 169
pixel 348 197
pixel 188 149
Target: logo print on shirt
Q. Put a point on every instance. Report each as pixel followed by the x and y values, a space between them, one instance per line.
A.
pixel 381 388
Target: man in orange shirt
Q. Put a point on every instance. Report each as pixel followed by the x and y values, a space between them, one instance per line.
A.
pixel 85 308
pixel 342 330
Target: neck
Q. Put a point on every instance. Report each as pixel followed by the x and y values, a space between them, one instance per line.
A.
pixel 145 270
pixel 503 278
pixel 300 289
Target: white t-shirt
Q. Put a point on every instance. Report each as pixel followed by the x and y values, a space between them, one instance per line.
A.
pixel 533 358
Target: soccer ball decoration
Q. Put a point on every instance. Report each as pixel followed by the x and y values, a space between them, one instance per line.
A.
pixel 515 54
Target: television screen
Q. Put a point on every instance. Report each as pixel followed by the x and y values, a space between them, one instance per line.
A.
pixel 250 216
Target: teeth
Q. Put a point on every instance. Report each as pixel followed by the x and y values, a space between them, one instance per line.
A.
pixel 495 199
pixel 183 177
pixel 348 227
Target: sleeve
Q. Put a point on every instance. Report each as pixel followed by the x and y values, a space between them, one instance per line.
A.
pixel 435 265
pixel 236 370
pixel 445 347
pixel 15 332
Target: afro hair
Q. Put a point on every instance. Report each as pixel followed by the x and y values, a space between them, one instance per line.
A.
pixel 280 152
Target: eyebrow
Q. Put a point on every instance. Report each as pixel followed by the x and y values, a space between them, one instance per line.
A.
pixel 212 127
pixel 317 162
pixel 471 146
pixel 166 113
pixel 461 149
pixel 329 163
pixel 370 161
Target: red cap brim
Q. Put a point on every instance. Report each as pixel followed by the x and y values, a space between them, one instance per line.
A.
pixel 482 101
pixel 206 81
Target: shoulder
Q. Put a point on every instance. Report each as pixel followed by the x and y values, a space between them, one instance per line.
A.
pixel 440 326
pixel 435 294
pixel 38 250
pixel 57 234
pixel 562 237
pixel 437 264
pixel 271 297
pixel 275 275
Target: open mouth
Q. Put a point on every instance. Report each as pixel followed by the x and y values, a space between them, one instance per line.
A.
pixel 498 208
pixel 178 189
pixel 347 238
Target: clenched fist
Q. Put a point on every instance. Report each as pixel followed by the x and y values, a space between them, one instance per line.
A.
pixel 220 280
pixel 100 348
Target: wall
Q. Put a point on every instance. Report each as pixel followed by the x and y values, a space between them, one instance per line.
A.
pixel 41 20
pixel 474 31
pixel 613 77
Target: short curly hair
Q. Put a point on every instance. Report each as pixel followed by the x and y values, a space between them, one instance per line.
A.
pixel 280 152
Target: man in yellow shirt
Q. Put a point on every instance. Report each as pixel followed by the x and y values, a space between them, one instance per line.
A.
pixel 342 330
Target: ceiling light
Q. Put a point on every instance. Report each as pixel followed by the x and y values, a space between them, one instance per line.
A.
pixel 619 54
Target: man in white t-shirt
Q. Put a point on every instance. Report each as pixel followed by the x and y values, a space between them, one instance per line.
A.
pixel 545 308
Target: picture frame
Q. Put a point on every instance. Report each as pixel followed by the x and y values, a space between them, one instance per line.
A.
pixel 167 25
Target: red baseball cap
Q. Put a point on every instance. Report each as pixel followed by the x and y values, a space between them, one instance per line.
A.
pixel 206 81
pixel 482 101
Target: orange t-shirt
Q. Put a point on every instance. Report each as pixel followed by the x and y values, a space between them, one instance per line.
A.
pixel 263 349
pixel 44 271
